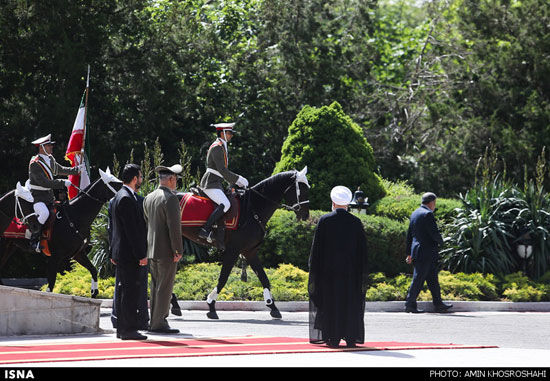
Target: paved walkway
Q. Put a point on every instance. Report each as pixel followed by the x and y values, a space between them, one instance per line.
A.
pixel 522 339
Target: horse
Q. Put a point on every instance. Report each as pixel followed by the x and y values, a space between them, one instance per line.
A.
pixel 70 229
pixel 257 205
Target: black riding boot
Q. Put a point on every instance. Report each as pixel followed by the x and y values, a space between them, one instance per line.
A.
pixel 206 231
pixel 36 234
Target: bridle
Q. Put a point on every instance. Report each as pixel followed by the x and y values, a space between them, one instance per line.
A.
pixel 296 206
pixel 82 191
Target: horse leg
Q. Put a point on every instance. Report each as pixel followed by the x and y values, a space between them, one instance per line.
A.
pixel 176 309
pixel 229 259
pixel 82 257
pixel 51 273
pixel 258 269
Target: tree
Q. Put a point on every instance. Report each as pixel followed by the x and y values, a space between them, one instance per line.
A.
pixel 335 152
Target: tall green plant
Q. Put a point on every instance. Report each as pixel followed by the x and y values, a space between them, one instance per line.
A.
pixel 533 217
pixel 495 217
pixel 481 233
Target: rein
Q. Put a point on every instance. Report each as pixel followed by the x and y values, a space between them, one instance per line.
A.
pixel 295 208
pixel 82 191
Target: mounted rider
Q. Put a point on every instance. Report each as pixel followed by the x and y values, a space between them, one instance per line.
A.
pixel 217 170
pixel 42 171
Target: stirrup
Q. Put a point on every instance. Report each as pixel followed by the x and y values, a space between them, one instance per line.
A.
pixel 35 246
pixel 203 233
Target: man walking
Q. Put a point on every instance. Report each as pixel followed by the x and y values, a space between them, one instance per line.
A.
pixel 162 213
pixel 423 239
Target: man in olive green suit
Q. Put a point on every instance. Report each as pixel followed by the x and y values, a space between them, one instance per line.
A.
pixel 162 214
pixel 217 162
pixel 42 171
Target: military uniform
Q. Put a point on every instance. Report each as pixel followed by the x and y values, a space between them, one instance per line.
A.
pixel 217 170
pixel 164 241
pixel 42 171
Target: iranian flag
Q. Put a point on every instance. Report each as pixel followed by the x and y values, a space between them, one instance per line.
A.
pixel 78 147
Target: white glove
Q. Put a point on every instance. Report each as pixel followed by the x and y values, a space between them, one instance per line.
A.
pixel 242 182
pixel 68 183
pixel 81 167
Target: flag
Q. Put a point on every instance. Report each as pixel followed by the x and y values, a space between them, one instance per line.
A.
pixel 78 147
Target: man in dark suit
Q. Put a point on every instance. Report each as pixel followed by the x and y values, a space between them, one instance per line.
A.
pixel 143 308
pixel 337 281
pixel 423 241
pixel 129 251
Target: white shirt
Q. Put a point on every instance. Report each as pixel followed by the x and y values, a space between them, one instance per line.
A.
pixel 131 191
pixel 46 159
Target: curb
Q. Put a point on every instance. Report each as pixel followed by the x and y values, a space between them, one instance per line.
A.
pixel 393 306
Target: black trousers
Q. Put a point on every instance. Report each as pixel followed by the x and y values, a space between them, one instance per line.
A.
pixel 128 288
pixel 424 271
pixel 143 309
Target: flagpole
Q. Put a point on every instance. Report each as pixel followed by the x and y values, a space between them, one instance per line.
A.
pixel 85 113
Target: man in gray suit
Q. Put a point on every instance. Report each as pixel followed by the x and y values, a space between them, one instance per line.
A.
pixel 162 214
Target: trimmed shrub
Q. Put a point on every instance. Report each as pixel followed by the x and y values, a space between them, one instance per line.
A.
pixel 335 151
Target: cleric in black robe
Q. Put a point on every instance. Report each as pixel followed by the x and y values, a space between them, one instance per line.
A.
pixel 338 275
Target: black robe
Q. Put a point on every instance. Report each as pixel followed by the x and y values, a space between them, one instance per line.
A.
pixel 337 279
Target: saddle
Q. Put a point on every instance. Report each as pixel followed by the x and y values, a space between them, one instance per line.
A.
pixel 19 230
pixel 196 207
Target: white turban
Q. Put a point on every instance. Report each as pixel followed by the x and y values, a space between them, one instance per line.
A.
pixel 341 195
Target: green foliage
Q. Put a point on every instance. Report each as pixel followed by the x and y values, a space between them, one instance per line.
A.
pixel 77 282
pixel 494 218
pixel 288 283
pixel 453 287
pixel 289 241
pixel 327 135
pixel 400 207
pixel 195 281
pixel 517 287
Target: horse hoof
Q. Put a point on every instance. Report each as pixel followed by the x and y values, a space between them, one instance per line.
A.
pixel 176 311
pixel 275 314
pixel 211 314
pixel 95 293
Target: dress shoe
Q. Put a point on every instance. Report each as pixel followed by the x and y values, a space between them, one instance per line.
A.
pixel 165 330
pixel 350 344
pixel 131 336
pixel 333 343
pixel 442 307
pixel 413 310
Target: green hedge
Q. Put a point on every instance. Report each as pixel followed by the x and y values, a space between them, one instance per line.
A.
pixel 400 207
pixel 289 241
pixel 195 281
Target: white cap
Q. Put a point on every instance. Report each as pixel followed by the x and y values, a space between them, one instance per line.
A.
pixel 223 126
pixel 176 169
pixel 43 140
pixel 341 195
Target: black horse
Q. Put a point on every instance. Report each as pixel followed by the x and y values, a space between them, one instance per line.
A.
pixel 258 204
pixel 70 231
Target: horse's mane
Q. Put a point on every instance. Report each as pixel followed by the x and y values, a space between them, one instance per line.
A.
pixel 273 179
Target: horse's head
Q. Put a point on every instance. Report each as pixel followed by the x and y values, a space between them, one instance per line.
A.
pixel 297 195
pixel 110 184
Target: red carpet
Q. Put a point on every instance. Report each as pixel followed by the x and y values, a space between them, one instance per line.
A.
pixel 105 350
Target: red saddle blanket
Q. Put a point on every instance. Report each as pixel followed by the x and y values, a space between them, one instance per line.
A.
pixel 17 230
pixel 195 210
